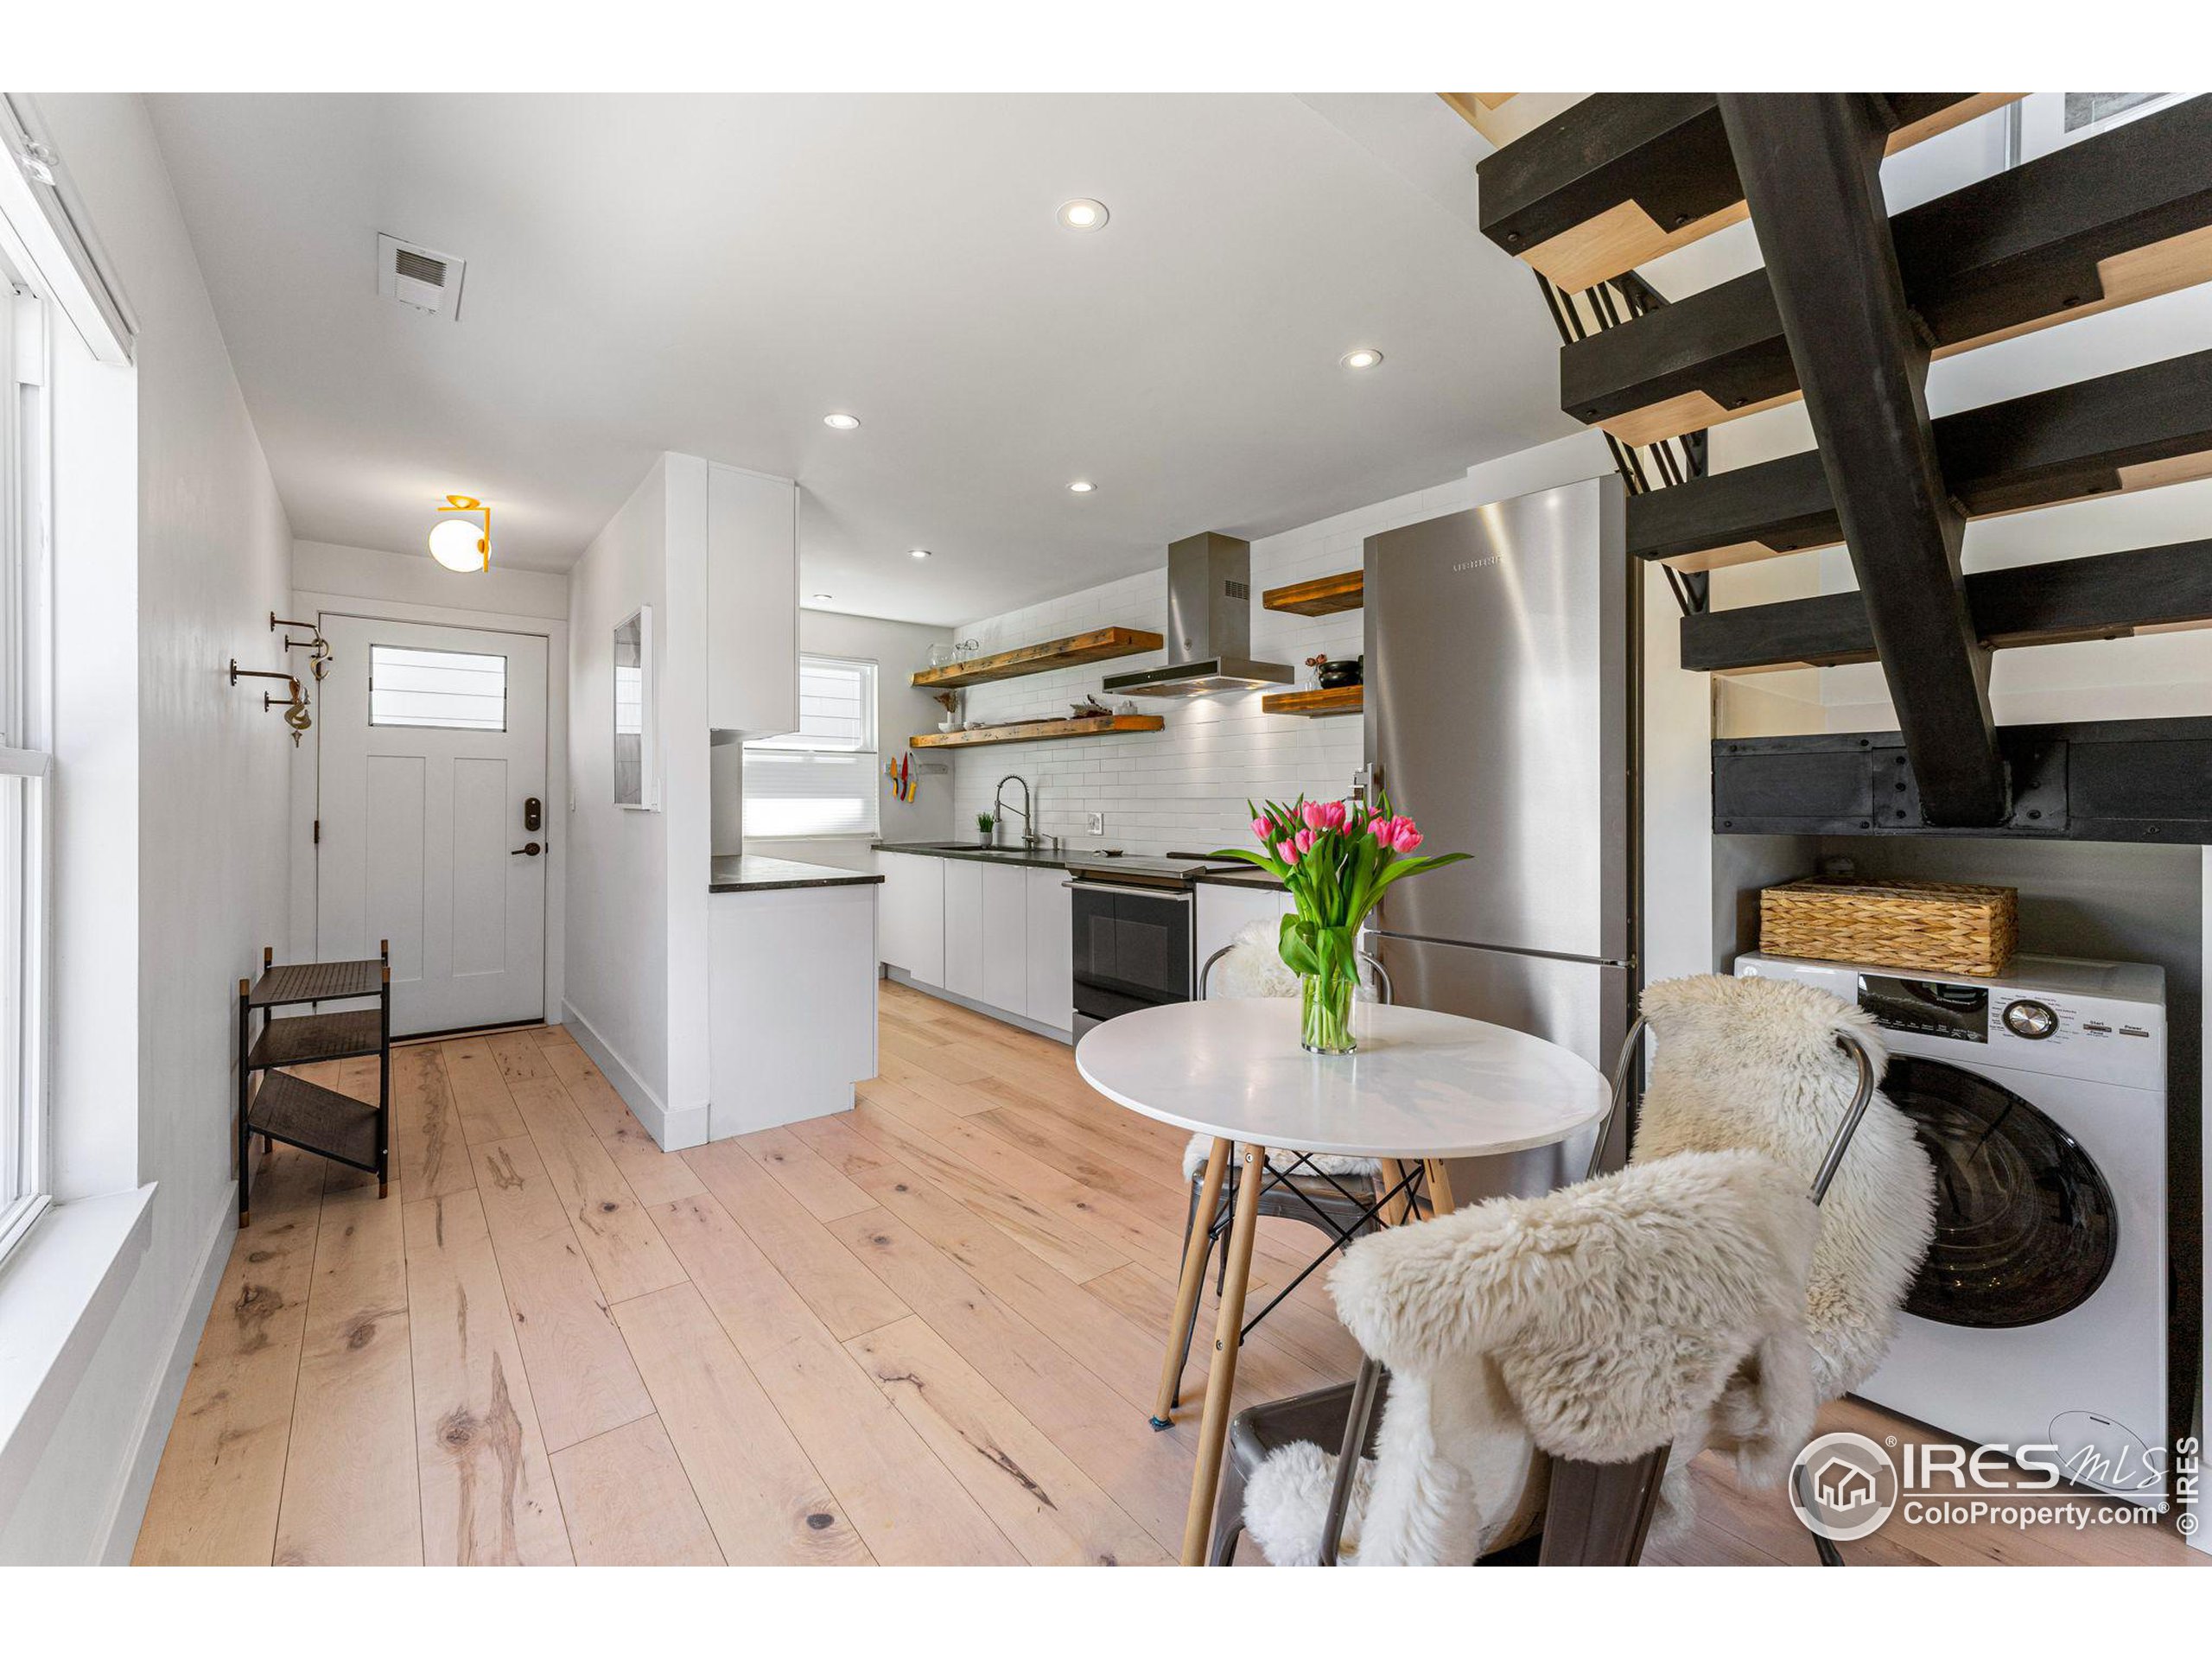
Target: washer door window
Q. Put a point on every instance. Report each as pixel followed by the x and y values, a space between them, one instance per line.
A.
pixel 2025 1225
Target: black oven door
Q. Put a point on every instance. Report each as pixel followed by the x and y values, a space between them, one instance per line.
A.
pixel 1132 948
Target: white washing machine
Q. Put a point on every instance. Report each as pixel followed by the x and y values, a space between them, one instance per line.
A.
pixel 2040 1317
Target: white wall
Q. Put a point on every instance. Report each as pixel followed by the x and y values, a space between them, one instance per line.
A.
pixel 897 649
pixel 639 989
pixel 412 578
pixel 617 859
pixel 212 557
pixel 1184 789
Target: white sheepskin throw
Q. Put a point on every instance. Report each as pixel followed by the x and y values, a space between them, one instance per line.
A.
pixel 1754 1063
pixel 1253 968
pixel 1598 1322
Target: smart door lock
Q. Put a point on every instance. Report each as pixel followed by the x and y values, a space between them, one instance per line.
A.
pixel 533 814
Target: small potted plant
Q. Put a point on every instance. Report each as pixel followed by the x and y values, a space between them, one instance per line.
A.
pixel 1336 858
pixel 984 823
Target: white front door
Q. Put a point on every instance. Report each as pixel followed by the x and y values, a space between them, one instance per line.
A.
pixel 432 753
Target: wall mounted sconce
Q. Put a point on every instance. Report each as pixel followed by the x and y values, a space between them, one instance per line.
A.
pixel 458 544
pixel 296 707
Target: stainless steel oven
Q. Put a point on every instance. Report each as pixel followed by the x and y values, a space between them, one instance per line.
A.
pixel 1132 946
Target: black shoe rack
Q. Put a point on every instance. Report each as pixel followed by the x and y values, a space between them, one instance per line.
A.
pixel 291 1109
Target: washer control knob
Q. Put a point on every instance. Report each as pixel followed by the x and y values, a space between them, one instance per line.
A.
pixel 2033 1020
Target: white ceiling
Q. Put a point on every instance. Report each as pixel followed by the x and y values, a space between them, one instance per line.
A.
pixel 713 274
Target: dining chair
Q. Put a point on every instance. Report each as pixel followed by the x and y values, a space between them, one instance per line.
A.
pixel 1593 1513
pixel 1335 1193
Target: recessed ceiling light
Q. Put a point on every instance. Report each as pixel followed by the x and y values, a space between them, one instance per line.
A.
pixel 843 423
pixel 1083 486
pixel 1084 214
pixel 1365 358
pixel 825 596
pixel 917 552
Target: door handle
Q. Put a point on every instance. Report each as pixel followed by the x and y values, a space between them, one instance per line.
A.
pixel 528 849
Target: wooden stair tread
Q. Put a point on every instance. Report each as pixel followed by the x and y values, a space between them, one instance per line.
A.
pixel 1039 731
pixel 2123 217
pixel 1334 700
pixel 315 982
pixel 2098 596
pixel 322 1121
pixel 1621 178
pixel 2136 429
pixel 300 1040
pixel 1323 596
pixel 1096 645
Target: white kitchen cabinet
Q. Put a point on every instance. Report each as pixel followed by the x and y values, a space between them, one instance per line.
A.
pixel 752 602
pixel 1223 909
pixel 1048 997
pixel 911 933
pixel 1006 936
pixel 963 927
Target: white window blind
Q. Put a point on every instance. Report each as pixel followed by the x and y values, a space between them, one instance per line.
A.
pixel 460 690
pixel 25 762
pixel 821 779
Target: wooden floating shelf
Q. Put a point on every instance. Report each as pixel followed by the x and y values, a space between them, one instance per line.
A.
pixel 1095 646
pixel 1337 700
pixel 1323 597
pixel 1039 731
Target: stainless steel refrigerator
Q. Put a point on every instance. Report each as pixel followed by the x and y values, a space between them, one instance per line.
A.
pixel 1501 711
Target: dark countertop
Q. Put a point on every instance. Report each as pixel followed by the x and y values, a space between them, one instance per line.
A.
pixel 753 873
pixel 1019 856
pixel 1244 878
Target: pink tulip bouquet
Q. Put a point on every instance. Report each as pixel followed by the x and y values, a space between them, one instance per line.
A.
pixel 1338 858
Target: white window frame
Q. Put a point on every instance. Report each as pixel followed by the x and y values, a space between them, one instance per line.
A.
pixel 866 747
pixel 26 746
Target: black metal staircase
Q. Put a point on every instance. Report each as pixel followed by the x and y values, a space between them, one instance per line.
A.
pixel 1851 306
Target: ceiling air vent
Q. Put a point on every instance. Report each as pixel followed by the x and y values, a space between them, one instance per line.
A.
pixel 419 277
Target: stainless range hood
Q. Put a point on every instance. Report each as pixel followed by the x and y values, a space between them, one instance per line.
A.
pixel 1208 624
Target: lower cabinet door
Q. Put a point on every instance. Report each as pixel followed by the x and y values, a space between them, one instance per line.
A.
pixel 909 907
pixel 1006 936
pixel 1048 998
pixel 963 927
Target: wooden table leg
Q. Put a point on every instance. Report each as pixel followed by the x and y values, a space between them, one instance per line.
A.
pixel 1221 1375
pixel 1193 1284
pixel 1388 1172
pixel 1439 1186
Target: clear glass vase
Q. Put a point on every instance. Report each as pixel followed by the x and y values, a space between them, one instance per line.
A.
pixel 1325 1003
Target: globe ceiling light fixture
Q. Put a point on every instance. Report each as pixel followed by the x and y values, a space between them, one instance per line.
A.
pixel 459 544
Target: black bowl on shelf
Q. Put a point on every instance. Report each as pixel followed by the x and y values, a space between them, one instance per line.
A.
pixel 1345 671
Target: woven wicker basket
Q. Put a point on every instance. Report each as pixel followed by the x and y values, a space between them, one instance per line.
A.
pixel 1936 926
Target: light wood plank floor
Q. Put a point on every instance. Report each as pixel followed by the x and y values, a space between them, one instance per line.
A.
pixel 926 1331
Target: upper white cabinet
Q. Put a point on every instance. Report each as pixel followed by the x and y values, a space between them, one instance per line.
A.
pixel 1049 996
pixel 911 928
pixel 752 602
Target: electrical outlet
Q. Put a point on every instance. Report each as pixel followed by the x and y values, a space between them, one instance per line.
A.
pixel 1098 823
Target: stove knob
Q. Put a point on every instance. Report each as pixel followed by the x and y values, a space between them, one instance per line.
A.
pixel 2033 1020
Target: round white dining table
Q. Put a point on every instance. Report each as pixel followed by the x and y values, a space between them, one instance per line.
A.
pixel 1421 1087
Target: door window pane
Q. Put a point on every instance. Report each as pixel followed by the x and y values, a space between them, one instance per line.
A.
pixel 455 689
